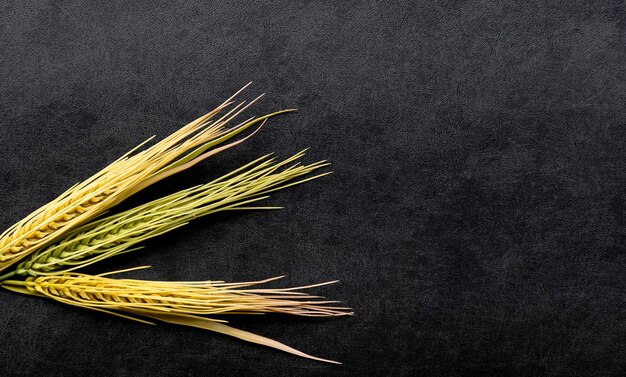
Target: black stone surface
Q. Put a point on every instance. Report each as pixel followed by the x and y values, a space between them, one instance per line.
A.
pixel 475 217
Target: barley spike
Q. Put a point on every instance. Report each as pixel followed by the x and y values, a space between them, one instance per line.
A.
pixel 197 298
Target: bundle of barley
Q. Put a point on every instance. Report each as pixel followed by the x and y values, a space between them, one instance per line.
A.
pixel 58 238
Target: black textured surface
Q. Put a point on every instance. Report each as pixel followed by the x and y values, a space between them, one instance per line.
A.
pixel 476 213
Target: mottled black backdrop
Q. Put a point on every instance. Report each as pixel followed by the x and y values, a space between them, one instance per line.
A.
pixel 475 217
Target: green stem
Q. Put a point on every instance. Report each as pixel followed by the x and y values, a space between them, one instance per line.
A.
pixel 6 276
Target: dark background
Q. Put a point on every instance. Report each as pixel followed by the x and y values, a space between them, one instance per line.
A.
pixel 476 213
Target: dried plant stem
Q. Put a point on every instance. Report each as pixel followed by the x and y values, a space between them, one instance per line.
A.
pixel 208 324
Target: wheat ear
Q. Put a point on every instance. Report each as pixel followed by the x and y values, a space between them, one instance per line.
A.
pixel 182 303
pixel 124 177
pixel 119 233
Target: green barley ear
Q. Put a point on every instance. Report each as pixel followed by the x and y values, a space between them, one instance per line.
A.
pixel 122 232
pixel 124 177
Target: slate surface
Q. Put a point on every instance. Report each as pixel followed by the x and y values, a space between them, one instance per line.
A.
pixel 476 213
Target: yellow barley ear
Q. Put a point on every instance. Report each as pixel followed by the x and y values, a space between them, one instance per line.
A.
pixel 182 302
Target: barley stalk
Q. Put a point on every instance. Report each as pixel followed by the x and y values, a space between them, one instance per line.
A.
pixel 124 177
pixel 182 303
pixel 119 233
pixel 197 298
